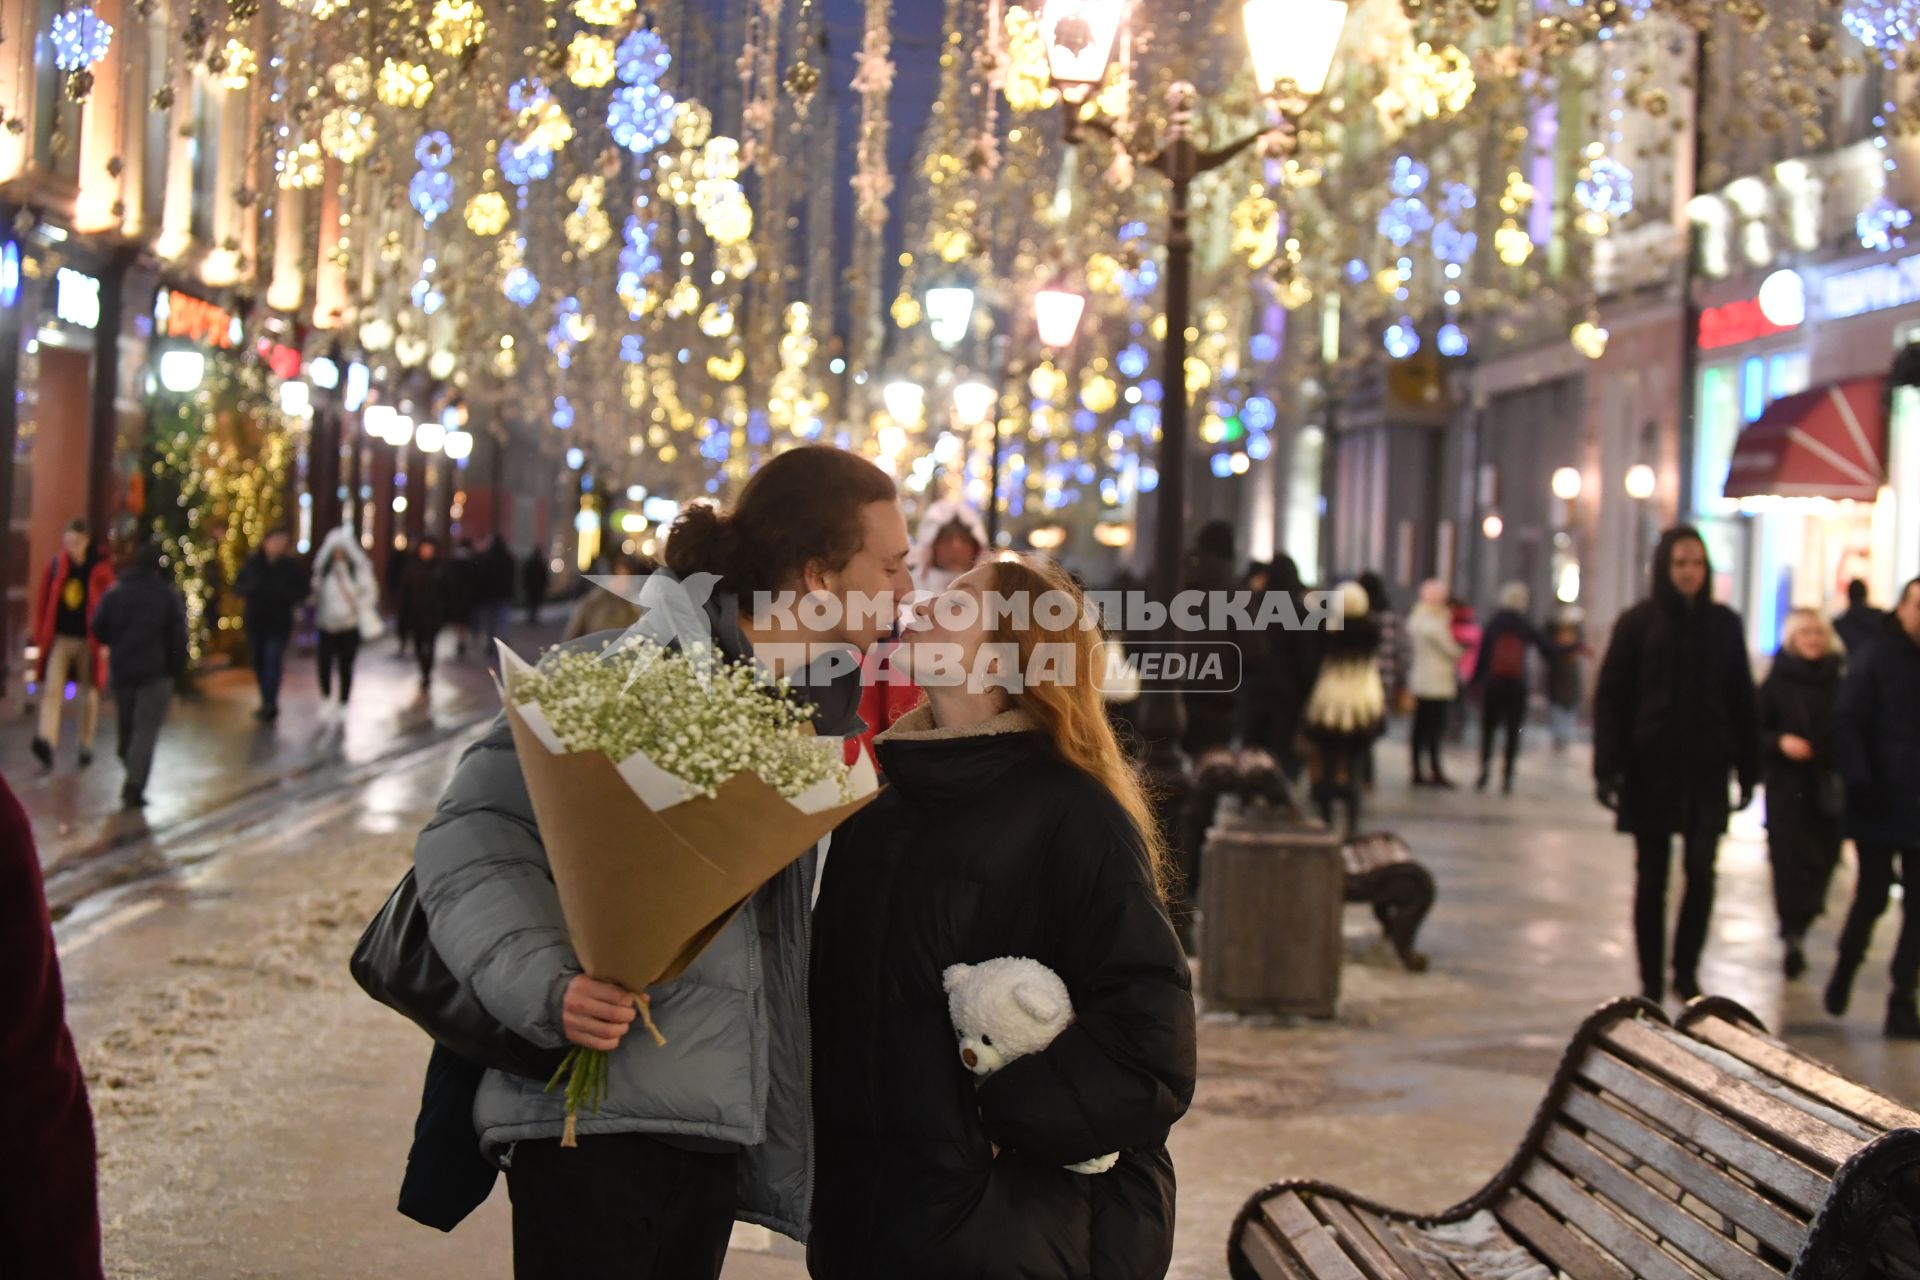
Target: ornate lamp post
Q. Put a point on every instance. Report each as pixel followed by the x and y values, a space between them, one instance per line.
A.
pixel 1057 311
pixel 1292 44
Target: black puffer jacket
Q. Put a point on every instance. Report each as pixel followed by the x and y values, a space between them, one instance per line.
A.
pixel 982 846
pixel 1876 741
pixel 1673 712
pixel 1797 698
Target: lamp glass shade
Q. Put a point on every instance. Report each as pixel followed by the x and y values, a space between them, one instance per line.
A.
pixel 973 402
pixel 430 436
pixel 378 420
pixel 1567 483
pixel 459 445
pixel 1079 36
pixel 1293 41
pixel 1056 313
pixel 1641 481
pixel 949 313
pixel 905 401
pixel 181 371
pixel 296 398
pixel 400 431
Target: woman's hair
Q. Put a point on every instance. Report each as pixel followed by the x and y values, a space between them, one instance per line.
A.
pixel 1072 713
pixel 1799 619
pixel 803 505
pixel 1516 596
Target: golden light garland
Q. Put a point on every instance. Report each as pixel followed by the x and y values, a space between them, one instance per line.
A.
pixel 404 84
pixel 456 26
pixel 602 13
pixel 487 214
pixel 589 60
pixel 237 66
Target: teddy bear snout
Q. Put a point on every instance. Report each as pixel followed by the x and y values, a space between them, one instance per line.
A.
pixel 969 1057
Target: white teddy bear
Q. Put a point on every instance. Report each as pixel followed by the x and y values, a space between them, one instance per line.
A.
pixel 1007 1008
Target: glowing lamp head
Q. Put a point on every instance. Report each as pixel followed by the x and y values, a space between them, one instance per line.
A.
pixel 1493 526
pixel 1056 314
pixel 459 445
pixel 400 431
pixel 378 420
pixel 1293 42
pixel 973 403
pixel 431 436
pixel 1079 35
pixel 905 401
pixel 1641 481
pixel 1783 299
pixel 182 371
pixel 1566 483
pixel 949 314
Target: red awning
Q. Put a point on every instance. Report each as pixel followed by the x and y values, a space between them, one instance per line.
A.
pixel 1826 443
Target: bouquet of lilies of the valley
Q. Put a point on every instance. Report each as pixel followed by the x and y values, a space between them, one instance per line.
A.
pixel 669 785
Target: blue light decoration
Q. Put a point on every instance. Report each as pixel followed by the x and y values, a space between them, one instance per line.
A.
pixel 577 459
pixel 1133 231
pixel 426 297
pixel 1258 413
pixel 79 38
pixel 1260 447
pixel 759 428
pixel 641 58
pixel 560 339
pixel 1607 188
pixel 563 419
pixel 1453 245
pixel 1151 391
pixel 1144 419
pixel 431 193
pixel 633 348
pixel 1404 218
pixel 1885 26
pixel 9 273
pixel 527 93
pixel 520 286
pixel 1149 479
pixel 637 261
pixel 1461 201
pixel 523 162
pixel 1085 421
pixel 1451 340
pixel 1264 348
pixel 717 443
pixel 1410 177
pixel 1402 338
pixel 640 117
pixel 1880 225
pixel 1139 284
pixel 1132 360
pixel 1222 465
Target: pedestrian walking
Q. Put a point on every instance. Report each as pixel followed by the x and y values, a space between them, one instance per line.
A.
pixel 345 609
pixel 1012 824
pixel 535 576
pixel 273 583
pixel 1279 667
pixel 1805 802
pixel 1673 720
pixel 1503 673
pixel 611 606
pixel 71 588
pixel 1347 710
pixel 949 549
pixel 49 1216
pixel 1860 624
pixel 492 593
pixel 142 621
pixel 1566 680
pixel 689 1135
pixel 423 605
pixel 1434 677
pixel 1876 748
pixel 398 558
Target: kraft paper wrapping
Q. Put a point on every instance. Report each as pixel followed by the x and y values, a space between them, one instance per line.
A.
pixel 645 891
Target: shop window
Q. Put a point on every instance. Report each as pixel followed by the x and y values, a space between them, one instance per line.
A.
pixel 1753 388
pixel 1788 373
pixel 1719 421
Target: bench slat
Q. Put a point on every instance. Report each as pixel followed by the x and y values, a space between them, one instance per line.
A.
pixel 1780 1121
pixel 1532 1224
pixel 1695 1176
pixel 1269 1260
pixel 1313 1242
pixel 1641 1257
pixel 1370 1253
pixel 1416 1265
pixel 1803 1073
pixel 1717 1255
pixel 1688 1118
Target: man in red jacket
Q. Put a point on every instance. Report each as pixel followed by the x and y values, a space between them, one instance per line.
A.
pixel 70 591
pixel 49 1215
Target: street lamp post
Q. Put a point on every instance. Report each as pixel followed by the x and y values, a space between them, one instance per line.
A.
pixel 1292 43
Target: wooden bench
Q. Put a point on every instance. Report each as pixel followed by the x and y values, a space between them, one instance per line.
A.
pixel 1667 1151
pixel 1381 872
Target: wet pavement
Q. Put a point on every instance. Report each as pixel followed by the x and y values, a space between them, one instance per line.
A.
pixel 254 1108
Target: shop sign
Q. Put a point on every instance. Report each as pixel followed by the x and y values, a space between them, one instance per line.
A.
pixel 76 298
pixel 181 315
pixel 1876 288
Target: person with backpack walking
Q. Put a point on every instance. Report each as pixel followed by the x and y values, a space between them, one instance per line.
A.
pixel 1673 721
pixel 1503 674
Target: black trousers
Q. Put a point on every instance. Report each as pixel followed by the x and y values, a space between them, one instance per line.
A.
pixel 1870 901
pixel 620 1206
pixel 424 643
pixel 1429 730
pixel 1505 708
pixel 1803 863
pixel 1655 855
pixel 338 648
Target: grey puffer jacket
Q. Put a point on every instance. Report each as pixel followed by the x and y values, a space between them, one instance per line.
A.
pixel 735 1071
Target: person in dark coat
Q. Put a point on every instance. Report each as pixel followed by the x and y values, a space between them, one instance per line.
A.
pixel 49 1215
pixel 1876 747
pixel 274 584
pixel 1503 672
pixel 1279 668
pixel 492 593
pixel 394 577
pixel 1209 706
pixel 1012 825
pixel 423 605
pixel 1796 763
pixel 1860 624
pixel 143 623
pixel 535 575
pixel 1673 721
